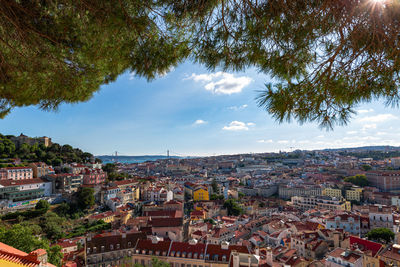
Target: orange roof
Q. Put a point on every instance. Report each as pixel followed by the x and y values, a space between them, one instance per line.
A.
pixel 5 247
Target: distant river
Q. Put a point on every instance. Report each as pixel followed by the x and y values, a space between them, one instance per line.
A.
pixel 130 159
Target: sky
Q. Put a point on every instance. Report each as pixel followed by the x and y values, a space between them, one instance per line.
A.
pixel 193 112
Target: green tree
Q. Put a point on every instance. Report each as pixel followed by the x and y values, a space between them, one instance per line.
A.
pixel 214 186
pixel 109 168
pixel 63 209
pixel 55 255
pixel 86 197
pixel 42 204
pixel 51 224
pixel 233 207
pixel 366 167
pixel 325 57
pixel 359 179
pixel 22 238
pixel 380 234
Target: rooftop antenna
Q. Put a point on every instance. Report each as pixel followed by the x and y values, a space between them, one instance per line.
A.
pixel 167 153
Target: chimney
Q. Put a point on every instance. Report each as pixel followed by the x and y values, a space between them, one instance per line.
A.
pixel 224 245
pixel 193 241
pixel 38 255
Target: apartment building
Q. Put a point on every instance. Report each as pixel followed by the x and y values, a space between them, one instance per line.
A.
pixel 341 257
pixel 20 190
pixel 17 173
pixel 65 182
pixel 110 249
pixel 347 222
pixel 355 193
pixel 286 192
pixel 184 254
pixel 40 169
pixel 380 216
pixel 320 202
pixel 332 192
pixel 93 176
pixel 384 180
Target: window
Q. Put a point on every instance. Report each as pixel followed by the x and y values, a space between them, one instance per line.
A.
pixel 111 247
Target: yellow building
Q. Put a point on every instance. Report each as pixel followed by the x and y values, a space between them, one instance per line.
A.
pixel 200 194
pixel 354 193
pixel 332 192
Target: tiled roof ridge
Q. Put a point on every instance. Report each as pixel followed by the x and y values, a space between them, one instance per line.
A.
pixel 25 260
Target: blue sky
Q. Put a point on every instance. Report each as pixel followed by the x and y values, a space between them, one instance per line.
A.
pixel 192 111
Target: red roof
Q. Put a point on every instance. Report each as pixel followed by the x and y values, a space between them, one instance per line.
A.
pixel 166 222
pixel 22 182
pixel 149 245
pixel 364 245
pixel 189 249
pixel 218 250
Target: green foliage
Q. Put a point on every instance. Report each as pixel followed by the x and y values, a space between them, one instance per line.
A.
pixel 89 227
pixel 233 207
pixel 325 57
pixel 42 205
pixel 240 194
pixel 155 263
pixel 23 238
pixel 112 173
pixel 55 255
pixel 380 234
pixel 209 220
pixel 86 197
pixel 215 197
pixel 69 210
pixel 54 155
pixel 27 214
pixel 51 224
pixel 375 154
pixel 214 186
pixel 358 179
pixel 366 167
pixel 62 51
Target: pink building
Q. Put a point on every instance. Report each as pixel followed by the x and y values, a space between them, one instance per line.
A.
pixel 16 173
pixel 93 176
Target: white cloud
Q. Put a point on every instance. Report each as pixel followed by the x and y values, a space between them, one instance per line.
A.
pixel 321 136
pixel 238 107
pixel 362 111
pixel 283 142
pixel 351 132
pixel 199 122
pixel 251 124
pixel 368 126
pixel 265 141
pixel 379 118
pixel 221 82
pixel 236 126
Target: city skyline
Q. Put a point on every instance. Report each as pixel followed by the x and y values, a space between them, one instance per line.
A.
pixel 193 112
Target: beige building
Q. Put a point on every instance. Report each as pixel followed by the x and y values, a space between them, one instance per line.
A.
pixel 332 192
pixel 322 202
pixel 184 254
pixel 355 193
pixel 40 169
pixel 23 139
